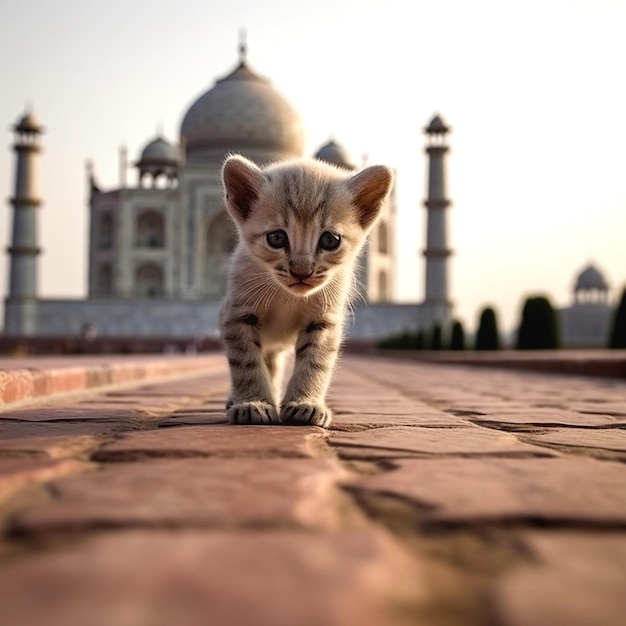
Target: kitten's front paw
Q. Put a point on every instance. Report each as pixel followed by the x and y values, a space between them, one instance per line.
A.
pixel 252 413
pixel 304 413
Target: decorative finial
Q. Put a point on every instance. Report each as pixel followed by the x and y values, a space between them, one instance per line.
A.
pixel 159 128
pixel 243 47
pixel 91 177
pixel 123 165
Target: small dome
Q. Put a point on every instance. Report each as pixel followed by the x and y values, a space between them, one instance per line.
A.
pixel 28 123
pixel 242 112
pixel 437 126
pixel 589 279
pixel 158 152
pixel 336 154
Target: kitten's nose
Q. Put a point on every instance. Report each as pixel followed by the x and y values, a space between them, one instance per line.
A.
pixel 298 274
pixel 301 266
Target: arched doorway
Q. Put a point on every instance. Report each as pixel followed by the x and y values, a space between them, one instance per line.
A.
pixel 150 230
pixel 149 280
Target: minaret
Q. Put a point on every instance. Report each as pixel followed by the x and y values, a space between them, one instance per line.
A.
pixel 437 249
pixel 21 302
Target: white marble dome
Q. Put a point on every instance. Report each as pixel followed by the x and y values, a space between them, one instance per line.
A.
pixel 243 113
pixel 158 152
pixel 589 279
pixel 437 126
pixel 28 123
pixel 336 154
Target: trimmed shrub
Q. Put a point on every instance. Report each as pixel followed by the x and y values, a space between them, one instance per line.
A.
pixel 538 329
pixel 457 338
pixel 617 340
pixel 436 339
pixel 487 336
pixel 405 340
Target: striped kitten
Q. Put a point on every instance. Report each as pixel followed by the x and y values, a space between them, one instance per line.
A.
pixel 301 226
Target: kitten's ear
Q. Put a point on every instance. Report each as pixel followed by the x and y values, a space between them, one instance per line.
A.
pixel 242 181
pixel 369 189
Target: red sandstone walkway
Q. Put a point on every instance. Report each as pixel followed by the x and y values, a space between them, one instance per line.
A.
pixel 444 495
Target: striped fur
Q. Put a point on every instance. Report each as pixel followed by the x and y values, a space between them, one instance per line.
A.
pixel 292 299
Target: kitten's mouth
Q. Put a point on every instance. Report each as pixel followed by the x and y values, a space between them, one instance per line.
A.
pixel 300 284
pixel 301 287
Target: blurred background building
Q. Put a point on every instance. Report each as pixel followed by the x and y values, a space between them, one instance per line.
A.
pixel 160 241
pixel 586 322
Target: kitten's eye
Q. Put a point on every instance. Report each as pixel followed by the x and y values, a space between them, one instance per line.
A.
pixel 329 241
pixel 277 239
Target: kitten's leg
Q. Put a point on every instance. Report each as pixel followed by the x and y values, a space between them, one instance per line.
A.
pixel 316 352
pixel 275 363
pixel 252 399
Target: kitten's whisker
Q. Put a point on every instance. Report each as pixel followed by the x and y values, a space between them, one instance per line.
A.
pixel 269 295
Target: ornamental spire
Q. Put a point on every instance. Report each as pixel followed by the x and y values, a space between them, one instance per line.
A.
pixel 243 46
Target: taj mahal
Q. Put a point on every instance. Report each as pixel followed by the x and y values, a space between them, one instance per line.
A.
pixel 159 248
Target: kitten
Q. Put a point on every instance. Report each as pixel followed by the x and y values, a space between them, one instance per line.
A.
pixel 301 226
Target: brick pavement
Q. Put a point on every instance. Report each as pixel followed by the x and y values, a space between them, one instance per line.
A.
pixel 443 495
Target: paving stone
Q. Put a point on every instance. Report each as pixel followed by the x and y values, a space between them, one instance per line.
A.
pixel 193 578
pixel 576 580
pixel 174 396
pixel 604 439
pixel 483 406
pixel 616 408
pixel 365 408
pixel 192 493
pixel 377 420
pixel 143 406
pixel 217 440
pixel 174 392
pixel 194 419
pixel 558 490
pixel 17 473
pixel 205 413
pixel 55 439
pixel 404 441
pixel 54 447
pixel 11 431
pixel 94 410
pixel 546 417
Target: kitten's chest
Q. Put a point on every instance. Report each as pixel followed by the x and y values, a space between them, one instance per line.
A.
pixel 281 323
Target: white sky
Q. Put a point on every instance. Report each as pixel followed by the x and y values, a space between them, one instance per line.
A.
pixel 535 93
